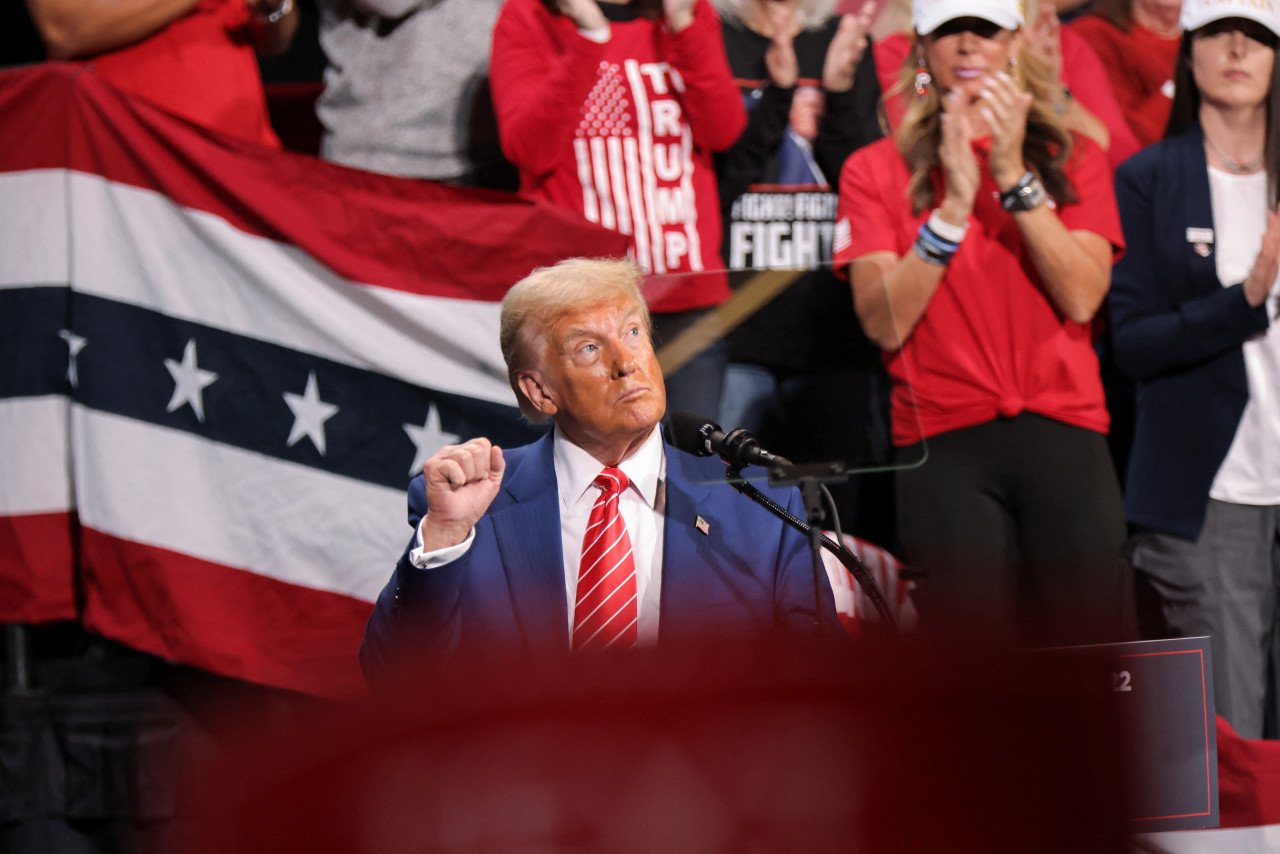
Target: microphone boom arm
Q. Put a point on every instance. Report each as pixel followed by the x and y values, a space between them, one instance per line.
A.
pixel 850 561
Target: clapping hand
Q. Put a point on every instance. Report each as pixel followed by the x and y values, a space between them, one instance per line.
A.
pixel 846 49
pixel 1261 278
pixel 959 165
pixel 780 58
pixel 1004 106
pixel 679 13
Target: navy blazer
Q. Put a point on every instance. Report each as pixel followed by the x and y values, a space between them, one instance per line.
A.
pixel 748 574
pixel 1177 331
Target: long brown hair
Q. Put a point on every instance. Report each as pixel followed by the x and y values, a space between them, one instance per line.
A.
pixel 1046 147
pixel 1185 112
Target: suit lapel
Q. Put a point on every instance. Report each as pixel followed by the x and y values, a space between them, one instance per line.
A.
pixel 683 550
pixel 1202 271
pixel 528 536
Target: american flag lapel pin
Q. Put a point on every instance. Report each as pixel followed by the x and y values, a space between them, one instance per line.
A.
pixel 703 525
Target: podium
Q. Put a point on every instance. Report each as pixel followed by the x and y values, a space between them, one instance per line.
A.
pixel 1164 694
pixel 769 748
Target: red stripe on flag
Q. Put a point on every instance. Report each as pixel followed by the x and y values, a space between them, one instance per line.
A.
pixel 417 236
pixel 37 568
pixel 218 618
pixel 36 104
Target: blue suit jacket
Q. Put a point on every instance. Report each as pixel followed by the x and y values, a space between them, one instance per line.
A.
pixel 750 574
pixel 1178 332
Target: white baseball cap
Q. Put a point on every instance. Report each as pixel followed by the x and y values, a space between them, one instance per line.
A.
pixel 928 15
pixel 1197 13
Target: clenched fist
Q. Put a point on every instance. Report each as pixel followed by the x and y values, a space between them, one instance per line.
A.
pixel 461 482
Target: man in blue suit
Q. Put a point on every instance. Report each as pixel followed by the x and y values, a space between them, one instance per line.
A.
pixel 494 566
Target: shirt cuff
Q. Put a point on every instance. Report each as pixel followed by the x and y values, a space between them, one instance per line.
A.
pixel 431 560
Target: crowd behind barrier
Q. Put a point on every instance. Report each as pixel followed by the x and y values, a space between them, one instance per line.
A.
pixel 121 505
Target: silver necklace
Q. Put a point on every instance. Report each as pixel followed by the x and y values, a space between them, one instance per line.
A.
pixel 1232 166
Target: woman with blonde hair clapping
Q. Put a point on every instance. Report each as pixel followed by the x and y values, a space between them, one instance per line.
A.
pixel 979 244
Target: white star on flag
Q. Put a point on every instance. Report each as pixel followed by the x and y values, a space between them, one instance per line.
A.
pixel 428 439
pixel 309 414
pixel 74 345
pixel 189 381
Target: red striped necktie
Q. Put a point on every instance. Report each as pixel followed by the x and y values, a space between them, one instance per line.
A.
pixel 606 610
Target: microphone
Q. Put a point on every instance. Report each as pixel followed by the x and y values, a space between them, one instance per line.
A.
pixel 703 438
pixel 696 435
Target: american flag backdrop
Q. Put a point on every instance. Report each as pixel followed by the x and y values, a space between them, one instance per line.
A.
pixel 219 367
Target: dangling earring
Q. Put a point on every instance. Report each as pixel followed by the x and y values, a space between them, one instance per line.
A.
pixel 923 79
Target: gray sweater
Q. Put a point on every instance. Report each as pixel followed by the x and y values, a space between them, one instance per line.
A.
pixel 403 82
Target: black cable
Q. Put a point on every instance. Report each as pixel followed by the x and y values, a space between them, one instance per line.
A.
pixel 835 513
pixel 850 561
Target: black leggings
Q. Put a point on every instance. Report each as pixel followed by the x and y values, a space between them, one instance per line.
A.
pixel 1017 526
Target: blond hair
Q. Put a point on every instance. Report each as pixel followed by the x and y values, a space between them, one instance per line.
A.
pixel 1046 146
pixel 534 304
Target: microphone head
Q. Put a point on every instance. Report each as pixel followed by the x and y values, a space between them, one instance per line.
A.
pixel 692 433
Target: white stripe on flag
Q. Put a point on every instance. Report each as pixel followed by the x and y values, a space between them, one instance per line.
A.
pixel 140 248
pixel 235 507
pixel 36 248
pixel 34 476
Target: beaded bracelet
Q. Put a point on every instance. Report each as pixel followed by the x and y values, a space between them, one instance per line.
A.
pixel 932 247
pixel 945 230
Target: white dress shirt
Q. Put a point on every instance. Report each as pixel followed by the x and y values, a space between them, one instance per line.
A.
pixel 642 508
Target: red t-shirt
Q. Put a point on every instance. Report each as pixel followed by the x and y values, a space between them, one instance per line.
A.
pixel 990 343
pixel 202 67
pixel 623 133
pixel 1140 66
